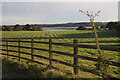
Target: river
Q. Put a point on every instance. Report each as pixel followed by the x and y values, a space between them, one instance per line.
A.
pixel 59 28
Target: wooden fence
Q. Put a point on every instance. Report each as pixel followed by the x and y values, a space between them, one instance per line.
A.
pixel 75 46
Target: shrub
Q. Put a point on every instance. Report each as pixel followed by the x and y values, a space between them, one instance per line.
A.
pixel 17 27
pixel 113 25
pixel 40 29
pixel 6 28
pixel 81 28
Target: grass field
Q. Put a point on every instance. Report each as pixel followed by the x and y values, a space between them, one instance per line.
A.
pixel 107 38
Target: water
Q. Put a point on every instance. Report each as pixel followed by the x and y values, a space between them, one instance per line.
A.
pixel 58 28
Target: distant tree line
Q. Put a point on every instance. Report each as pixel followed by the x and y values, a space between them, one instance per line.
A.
pixel 81 26
pixel 115 26
pixel 67 24
pixel 18 27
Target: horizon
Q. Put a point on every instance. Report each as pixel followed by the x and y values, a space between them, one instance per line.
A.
pixel 56 23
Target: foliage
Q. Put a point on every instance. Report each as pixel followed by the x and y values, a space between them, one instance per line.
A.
pixel 103 65
pixel 81 28
pixel 113 25
pixel 68 24
pixel 34 28
pixel 39 29
pixel 103 27
pixel 17 27
pixel 27 27
pixel 6 28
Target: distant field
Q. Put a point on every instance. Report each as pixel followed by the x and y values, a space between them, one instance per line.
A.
pixel 84 37
pixel 109 38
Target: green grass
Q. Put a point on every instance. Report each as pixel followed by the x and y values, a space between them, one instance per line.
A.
pixel 84 37
pixel 107 38
pixel 23 70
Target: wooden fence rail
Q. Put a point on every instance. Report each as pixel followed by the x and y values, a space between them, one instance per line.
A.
pixel 110 48
pixel 75 54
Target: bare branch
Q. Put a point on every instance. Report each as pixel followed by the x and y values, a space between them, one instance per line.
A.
pixel 88 14
pixel 97 14
pixel 82 11
pixel 91 16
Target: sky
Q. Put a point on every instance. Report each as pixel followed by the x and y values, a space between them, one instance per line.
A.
pixel 59 0
pixel 56 12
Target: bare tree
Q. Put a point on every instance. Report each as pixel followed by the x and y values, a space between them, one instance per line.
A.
pixel 103 64
pixel 91 18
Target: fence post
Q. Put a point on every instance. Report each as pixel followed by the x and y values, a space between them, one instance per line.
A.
pixel 50 53
pixel 7 47
pixel 32 45
pixel 76 71
pixel 19 49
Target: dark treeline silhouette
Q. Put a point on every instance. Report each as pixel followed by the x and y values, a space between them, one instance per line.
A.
pixel 111 26
pixel 67 24
pixel 81 26
pixel 18 27
pixel 115 26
